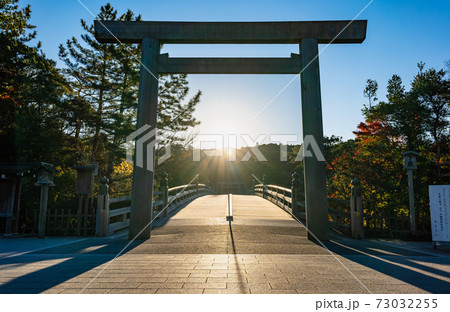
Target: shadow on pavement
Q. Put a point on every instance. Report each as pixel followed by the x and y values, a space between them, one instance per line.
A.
pixel 241 278
pixel 391 261
pixel 80 258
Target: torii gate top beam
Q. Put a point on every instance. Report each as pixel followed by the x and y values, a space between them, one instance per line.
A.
pixel 231 32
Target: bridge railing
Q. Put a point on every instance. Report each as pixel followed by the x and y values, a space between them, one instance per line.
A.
pixel 339 209
pixel 339 213
pixel 182 194
pixel 289 199
pixel 343 214
pixel 113 215
pixel 280 196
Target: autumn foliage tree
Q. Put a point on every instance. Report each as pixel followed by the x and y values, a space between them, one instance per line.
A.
pixel 415 119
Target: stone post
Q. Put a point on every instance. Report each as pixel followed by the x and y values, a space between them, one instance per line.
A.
pixel 412 211
pixel 102 222
pixel 316 204
pixel 43 210
pixel 356 210
pixel 410 164
pixel 44 181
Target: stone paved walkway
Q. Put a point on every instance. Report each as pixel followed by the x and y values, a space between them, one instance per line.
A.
pixel 197 251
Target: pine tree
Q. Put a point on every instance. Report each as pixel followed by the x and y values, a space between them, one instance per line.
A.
pixel 15 55
pixel 432 90
pixel 106 76
pixel 90 69
pixel 31 89
pixel 402 114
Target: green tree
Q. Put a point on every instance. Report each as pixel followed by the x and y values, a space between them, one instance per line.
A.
pixel 415 119
pixel 15 57
pixel 370 92
pixel 33 93
pixel 91 69
pixel 31 89
pixel 432 89
pixel 106 77
pixel 402 113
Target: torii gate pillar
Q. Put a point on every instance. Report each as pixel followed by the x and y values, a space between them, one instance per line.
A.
pixel 143 174
pixel 316 206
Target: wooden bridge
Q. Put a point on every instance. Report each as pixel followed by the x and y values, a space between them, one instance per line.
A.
pixel 113 215
pixel 196 250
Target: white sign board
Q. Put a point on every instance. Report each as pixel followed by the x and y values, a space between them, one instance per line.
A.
pixel 440 212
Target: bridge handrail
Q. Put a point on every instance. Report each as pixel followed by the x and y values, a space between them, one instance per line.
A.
pixel 176 197
pixel 346 214
pixel 338 210
pixel 187 192
pixel 280 196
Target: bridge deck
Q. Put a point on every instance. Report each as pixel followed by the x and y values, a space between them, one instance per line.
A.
pixel 263 250
pixel 258 227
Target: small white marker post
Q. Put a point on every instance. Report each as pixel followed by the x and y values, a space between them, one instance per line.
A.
pixel 229 208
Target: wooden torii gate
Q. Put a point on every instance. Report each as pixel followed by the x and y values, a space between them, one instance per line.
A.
pixel 307 34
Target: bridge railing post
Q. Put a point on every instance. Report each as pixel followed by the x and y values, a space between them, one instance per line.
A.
pixel 102 222
pixel 294 194
pixel 356 205
pixel 197 187
pixel 165 193
pixel 265 193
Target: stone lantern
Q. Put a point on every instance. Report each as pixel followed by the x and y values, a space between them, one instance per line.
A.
pixel 410 164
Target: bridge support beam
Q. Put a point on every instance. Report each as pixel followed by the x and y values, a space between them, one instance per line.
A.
pixel 316 205
pixel 143 175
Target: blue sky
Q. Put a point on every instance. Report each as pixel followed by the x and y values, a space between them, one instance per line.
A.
pixel 400 33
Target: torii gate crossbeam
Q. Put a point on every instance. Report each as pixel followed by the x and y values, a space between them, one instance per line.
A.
pixel 308 34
